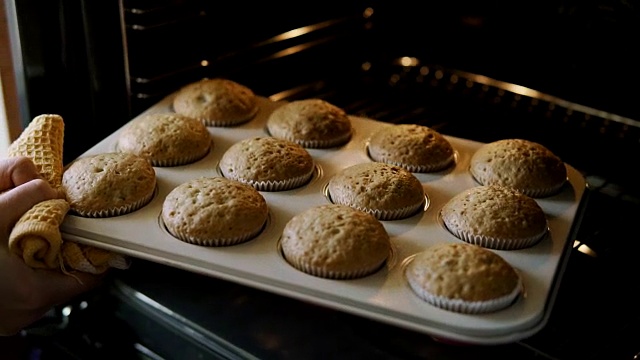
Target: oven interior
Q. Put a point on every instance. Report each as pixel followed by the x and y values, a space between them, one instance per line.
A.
pixel 478 70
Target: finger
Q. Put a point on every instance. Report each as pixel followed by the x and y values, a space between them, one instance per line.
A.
pixel 15 171
pixel 15 202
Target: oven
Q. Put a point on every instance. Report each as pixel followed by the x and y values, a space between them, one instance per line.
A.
pixel 563 74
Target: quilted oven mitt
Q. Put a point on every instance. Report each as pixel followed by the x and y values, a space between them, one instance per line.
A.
pixel 36 237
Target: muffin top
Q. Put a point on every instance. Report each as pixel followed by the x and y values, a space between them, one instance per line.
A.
pixel 494 212
pixel 387 191
pixel 108 184
pixel 462 271
pixel 416 148
pixel 216 102
pixel 312 123
pixel 267 163
pixel 166 139
pixel 214 211
pixel 524 165
pixel 336 239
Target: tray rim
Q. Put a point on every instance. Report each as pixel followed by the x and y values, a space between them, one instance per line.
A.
pixel 531 326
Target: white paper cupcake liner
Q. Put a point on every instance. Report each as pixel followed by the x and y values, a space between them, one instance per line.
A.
pixel 213 242
pixel 322 144
pixel 331 274
pixel 498 243
pixel 179 161
pixel 117 211
pixel 397 214
pixel 531 192
pixel 394 214
pixel 439 166
pixel 228 123
pixel 275 185
pixel 543 192
pixel 468 307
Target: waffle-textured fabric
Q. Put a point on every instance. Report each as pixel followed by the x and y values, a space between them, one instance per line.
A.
pixel 36 237
pixel 42 142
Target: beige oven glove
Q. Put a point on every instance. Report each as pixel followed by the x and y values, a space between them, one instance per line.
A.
pixel 36 237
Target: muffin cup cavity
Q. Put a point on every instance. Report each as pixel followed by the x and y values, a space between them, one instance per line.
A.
pixel 323 144
pixel 497 243
pixel 275 185
pixel 493 242
pixel 213 242
pixel 540 193
pixel 117 211
pixel 178 161
pixel 329 274
pixel 385 215
pixel 467 307
pixel 532 192
pixel 229 123
pixel 397 214
pixel 414 168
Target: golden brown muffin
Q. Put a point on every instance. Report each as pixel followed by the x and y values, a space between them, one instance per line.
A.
pixel 214 211
pixel 108 184
pixel 216 102
pixel 463 278
pixel 166 139
pixel 312 123
pixel 267 163
pixel 335 241
pixel 495 217
pixel 416 148
pixel 524 165
pixel 388 192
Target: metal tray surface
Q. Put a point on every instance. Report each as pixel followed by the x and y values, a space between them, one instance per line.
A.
pixel 383 296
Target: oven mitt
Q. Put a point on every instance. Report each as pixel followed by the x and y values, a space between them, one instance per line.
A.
pixel 36 237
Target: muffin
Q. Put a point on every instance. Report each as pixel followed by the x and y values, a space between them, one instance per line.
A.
pixel 312 123
pixel 216 102
pixel 495 217
pixel 416 148
pixel 388 192
pixel 463 278
pixel 267 163
pixel 214 211
pixel 523 165
pixel 166 139
pixel 108 184
pixel 335 241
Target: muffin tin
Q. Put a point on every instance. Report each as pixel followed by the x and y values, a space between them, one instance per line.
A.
pixel 384 296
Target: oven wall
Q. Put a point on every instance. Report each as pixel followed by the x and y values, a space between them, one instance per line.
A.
pixel 73 65
pixel 99 63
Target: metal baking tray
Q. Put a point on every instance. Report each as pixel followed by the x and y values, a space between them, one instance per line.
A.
pixel 383 296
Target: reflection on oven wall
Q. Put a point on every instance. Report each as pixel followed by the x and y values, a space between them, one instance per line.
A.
pixel 100 63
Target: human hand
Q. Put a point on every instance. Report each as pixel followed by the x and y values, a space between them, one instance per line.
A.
pixel 26 294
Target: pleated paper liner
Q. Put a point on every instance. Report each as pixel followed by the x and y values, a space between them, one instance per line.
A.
pixel 386 214
pixel 441 165
pixel 215 241
pixel 467 307
pixel 274 185
pixel 321 144
pixel 307 268
pixel 116 211
pixel 233 122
